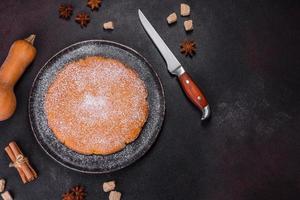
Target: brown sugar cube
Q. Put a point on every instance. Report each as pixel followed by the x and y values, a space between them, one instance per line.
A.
pixel 185 10
pixel 172 18
pixel 2 185
pixel 114 195
pixel 188 25
pixel 6 196
pixel 108 25
pixel 109 186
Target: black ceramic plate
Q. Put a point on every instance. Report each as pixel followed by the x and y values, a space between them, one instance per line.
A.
pixel 96 163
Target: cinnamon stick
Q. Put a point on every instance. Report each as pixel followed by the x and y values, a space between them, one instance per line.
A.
pixel 20 162
pixel 24 165
pixel 13 159
pixel 29 166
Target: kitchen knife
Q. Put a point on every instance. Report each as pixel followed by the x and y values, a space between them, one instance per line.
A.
pixel 190 88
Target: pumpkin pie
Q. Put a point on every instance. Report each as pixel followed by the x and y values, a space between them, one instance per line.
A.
pixel 96 105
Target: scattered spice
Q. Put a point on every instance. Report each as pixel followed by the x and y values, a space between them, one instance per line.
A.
pixel 83 19
pixel 68 196
pixel 188 25
pixel 75 193
pixel 20 162
pixel 114 195
pixel 109 186
pixel 65 11
pixel 6 196
pixel 188 48
pixel 2 185
pixel 172 18
pixel 79 192
pixel 94 4
pixel 185 9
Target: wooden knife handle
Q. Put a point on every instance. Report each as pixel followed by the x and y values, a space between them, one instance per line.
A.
pixel 195 94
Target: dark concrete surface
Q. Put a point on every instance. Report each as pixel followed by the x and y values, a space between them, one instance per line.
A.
pixel 247 63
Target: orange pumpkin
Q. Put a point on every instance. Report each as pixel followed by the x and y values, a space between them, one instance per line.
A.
pixel 20 55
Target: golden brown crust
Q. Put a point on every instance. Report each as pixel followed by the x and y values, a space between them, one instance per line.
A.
pixel 96 105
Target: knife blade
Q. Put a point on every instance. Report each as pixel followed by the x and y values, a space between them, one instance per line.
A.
pixel 192 91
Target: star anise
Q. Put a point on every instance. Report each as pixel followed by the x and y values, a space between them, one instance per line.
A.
pixel 68 196
pixel 94 4
pixel 79 192
pixel 83 19
pixel 65 11
pixel 188 48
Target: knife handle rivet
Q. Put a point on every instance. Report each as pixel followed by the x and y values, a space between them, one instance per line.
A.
pixel 187 81
pixel 199 98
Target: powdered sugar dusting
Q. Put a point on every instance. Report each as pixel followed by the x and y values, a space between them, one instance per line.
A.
pixel 91 102
pixel 96 105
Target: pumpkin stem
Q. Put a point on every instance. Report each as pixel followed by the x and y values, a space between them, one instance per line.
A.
pixel 30 39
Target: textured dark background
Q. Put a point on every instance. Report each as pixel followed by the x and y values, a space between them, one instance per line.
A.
pixel 246 63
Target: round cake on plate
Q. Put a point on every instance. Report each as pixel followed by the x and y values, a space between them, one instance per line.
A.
pixel 96 105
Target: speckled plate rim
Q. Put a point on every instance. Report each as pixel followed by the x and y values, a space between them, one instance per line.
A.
pixel 150 142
